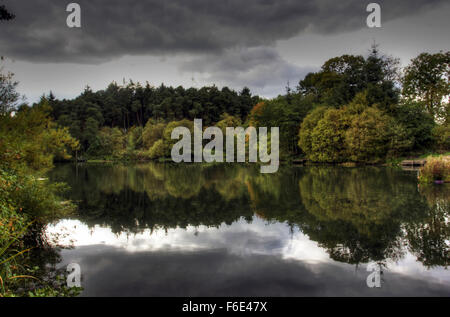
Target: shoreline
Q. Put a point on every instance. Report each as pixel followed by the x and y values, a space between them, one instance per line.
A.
pixel 410 161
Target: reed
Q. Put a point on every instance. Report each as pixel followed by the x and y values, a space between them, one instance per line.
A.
pixel 436 170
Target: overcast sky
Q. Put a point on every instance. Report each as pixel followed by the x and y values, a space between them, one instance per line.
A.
pixel 261 44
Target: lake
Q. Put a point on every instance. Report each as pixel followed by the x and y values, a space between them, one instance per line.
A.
pixel 227 230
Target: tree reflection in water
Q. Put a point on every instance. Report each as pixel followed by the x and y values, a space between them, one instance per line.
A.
pixel 358 214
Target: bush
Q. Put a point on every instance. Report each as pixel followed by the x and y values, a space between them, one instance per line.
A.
pixel 27 204
pixel 152 133
pixel 436 169
pixel 366 138
pixel 306 129
pixel 399 142
pixel 328 137
pixel 363 133
pixel 134 140
pixel 441 135
pixel 31 139
pixel 158 150
pixel 108 143
pixel 417 124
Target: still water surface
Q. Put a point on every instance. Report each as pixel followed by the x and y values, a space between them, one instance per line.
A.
pixel 227 230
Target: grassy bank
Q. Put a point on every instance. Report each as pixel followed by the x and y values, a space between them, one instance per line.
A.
pixel 436 170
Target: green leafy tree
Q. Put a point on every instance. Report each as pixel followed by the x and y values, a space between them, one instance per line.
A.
pixel 32 139
pixel 441 134
pixel 399 140
pixel 131 104
pixel 367 136
pixel 427 79
pixel 158 150
pixel 109 143
pixel 307 127
pixel 8 93
pixel 342 78
pixel 287 113
pixel 152 133
pixel 416 123
pixel 162 147
pixel 328 142
pixel 228 121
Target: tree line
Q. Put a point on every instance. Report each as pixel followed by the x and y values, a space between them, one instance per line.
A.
pixel 364 109
pixel 354 109
pixel 126 109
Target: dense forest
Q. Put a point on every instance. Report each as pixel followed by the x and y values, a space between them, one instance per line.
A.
pixel 355 109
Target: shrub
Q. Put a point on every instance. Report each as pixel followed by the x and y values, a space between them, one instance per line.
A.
pixel 399 142
pixel 363 133
pixel 158 150
pixel 27 204
pixel 441 134
pixel 436 169
pixel 328 137
pixel 32 139
pixel 108 143
pixel 417 124
pixel 366 138
pixel 306 129
pixel 152 133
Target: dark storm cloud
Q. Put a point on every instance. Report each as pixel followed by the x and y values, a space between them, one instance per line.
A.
pixel 114 28
pixel 261 68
